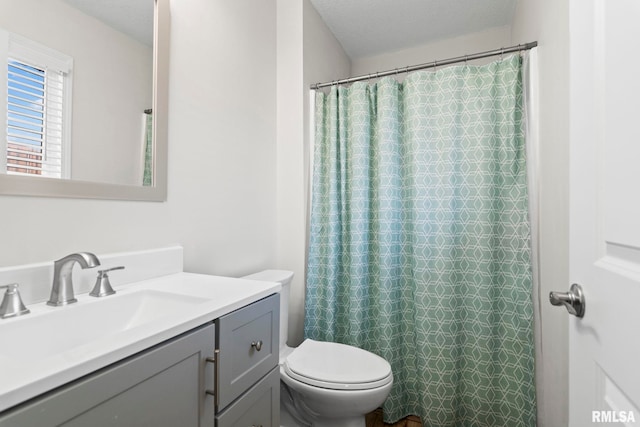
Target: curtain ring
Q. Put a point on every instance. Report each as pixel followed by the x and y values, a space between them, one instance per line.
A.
pixel 435 65
pixel 466 60
pixel 501 53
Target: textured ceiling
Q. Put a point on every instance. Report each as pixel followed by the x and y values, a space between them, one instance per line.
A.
pixel 132 17
pixel 371 27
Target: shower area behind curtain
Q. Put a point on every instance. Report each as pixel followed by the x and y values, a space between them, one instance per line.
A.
pixel 419 240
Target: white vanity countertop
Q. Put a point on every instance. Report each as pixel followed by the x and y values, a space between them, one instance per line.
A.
pixel 22 378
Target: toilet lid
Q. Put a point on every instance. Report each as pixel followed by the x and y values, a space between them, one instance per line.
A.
pixel 337 366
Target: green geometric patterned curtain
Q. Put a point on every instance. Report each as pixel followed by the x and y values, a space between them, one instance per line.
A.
pixel 419 240
pixel 147 174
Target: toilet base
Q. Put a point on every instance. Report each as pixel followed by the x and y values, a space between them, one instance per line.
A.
pixel 289 420
pixel 286 420
pixel 312 406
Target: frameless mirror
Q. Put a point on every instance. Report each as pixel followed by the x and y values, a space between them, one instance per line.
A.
pixel 83 98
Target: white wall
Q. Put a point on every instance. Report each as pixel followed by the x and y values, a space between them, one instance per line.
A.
pixel 547 21
pixel 441 49
pixel 112 86
pixel 290 155
pixel 307 53
pixel 222 165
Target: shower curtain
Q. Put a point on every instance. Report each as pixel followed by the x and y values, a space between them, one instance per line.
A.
pixel 419 240
pixel 147 172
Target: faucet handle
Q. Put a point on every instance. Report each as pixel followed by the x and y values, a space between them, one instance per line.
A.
pixel 12 304
pixel 104 272
pixel 102 288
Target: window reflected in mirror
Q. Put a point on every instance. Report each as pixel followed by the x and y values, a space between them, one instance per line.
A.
pixel 37 110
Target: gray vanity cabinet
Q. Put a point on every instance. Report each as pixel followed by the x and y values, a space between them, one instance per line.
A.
pixel 248 382
pixel 162 386
pixel 223 374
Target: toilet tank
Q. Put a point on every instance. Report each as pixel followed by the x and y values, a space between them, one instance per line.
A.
pixel 283 277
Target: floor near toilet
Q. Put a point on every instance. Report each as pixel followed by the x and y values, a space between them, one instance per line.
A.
pixel 374 419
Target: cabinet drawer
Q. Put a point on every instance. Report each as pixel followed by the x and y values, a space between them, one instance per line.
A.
pixel 260 406
pixel 248 340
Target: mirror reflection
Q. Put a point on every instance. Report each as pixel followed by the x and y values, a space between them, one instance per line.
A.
pixel 78 89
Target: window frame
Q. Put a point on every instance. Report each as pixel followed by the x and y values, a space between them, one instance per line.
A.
pixel 34 54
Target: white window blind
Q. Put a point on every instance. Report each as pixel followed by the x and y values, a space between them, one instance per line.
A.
pixel 34 120
pixel 38 109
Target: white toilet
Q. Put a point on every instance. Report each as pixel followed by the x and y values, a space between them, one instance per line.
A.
pixel 324 384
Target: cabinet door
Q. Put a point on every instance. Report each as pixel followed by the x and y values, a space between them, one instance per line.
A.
pixel 259 407
pixel 248 340
pixel 163 386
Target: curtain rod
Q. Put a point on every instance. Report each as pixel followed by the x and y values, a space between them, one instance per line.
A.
pixel 432 64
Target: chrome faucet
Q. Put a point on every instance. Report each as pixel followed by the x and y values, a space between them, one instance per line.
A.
pixel 62 289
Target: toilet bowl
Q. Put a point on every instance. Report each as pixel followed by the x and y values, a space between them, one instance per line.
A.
pixel 323 383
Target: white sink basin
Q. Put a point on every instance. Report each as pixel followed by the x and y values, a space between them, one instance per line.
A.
pixel 52 346
pixel 61 329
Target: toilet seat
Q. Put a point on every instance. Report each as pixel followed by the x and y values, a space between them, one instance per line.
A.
pixel 337 366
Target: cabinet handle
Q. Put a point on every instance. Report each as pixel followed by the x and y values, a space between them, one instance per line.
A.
pixel 216 383
pixel 257 345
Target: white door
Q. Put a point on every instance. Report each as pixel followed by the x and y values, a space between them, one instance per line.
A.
pixel 604 346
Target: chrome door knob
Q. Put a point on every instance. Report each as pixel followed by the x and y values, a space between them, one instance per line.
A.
pixel 572 300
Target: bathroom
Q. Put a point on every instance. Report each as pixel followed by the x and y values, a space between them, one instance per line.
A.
pixel 237 174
